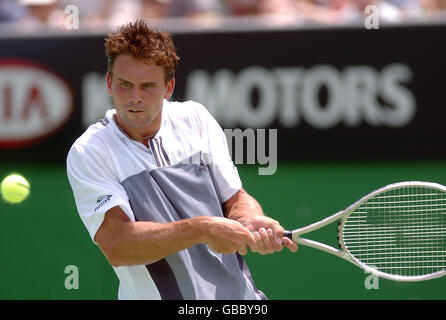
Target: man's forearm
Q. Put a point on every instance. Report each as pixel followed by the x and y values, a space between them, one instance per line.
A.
pixel 241 205
pixel 267 232
pixel 127 243
pixel 145 242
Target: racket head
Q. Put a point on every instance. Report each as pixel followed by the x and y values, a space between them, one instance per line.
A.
pixel 398 232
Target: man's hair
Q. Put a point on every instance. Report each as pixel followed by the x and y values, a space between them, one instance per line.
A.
pixel 142 42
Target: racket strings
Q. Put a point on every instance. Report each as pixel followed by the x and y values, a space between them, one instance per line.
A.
pixel 400 232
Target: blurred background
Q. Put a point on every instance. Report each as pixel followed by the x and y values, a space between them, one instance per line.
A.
pixel 99 15
pixel 355 89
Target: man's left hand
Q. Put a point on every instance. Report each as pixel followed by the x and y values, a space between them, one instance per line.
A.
pixel 268 234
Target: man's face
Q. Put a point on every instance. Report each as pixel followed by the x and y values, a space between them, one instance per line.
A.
pixel 138 90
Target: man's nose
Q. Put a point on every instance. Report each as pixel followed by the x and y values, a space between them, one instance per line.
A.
pixel 136 96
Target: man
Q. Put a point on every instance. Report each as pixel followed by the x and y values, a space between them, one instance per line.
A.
pixel 156 188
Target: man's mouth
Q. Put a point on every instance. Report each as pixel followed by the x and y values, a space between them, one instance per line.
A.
pixel 134 111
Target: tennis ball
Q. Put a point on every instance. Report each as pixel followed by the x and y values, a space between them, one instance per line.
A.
pixel 14 188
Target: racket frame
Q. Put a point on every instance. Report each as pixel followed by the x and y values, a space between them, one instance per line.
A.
pixel 342 215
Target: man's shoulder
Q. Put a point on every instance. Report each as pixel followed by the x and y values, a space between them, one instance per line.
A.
pixel 93 137
pixel 183 106
pixel 186 110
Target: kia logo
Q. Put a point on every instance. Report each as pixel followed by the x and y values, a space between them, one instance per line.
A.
pixel 34 103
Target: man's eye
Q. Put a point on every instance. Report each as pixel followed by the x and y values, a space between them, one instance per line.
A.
pixel 125 84
pixel 147 85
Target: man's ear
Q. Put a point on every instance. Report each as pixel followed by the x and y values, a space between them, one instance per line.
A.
pixel 109 80
pixel 170 88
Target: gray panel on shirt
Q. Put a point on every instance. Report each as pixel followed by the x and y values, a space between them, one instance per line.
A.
pixel 182 191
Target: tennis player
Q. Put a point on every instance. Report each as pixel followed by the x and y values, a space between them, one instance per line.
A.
pixel 155 186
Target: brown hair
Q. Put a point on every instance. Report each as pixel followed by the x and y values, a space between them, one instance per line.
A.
pixel 142 42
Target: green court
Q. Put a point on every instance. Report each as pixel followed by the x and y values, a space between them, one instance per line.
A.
pixel 43 236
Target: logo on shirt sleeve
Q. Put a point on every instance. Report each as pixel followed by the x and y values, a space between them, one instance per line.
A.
pixel 101 201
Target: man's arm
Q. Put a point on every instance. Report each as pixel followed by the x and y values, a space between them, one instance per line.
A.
pixel 267 232
pixel 126 243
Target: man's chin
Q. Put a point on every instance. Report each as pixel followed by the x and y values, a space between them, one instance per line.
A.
pixel 136 123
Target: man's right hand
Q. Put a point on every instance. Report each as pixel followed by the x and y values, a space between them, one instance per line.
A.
pixel 226 236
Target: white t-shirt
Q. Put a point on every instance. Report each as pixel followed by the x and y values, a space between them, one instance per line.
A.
pixel 104 156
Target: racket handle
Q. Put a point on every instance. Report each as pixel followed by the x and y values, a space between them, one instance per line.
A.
pixel 288 234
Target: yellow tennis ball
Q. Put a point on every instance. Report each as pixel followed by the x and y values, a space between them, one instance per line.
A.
pixel 15 188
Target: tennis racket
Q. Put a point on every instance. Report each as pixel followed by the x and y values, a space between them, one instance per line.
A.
pixel 397 232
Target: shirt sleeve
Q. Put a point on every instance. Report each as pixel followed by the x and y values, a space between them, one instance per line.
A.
pixel 95 187
pixel 226 173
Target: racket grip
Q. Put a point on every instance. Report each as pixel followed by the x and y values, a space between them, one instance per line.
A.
pixel 288 234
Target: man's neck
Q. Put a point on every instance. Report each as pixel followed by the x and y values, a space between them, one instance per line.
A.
pixel 133 135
